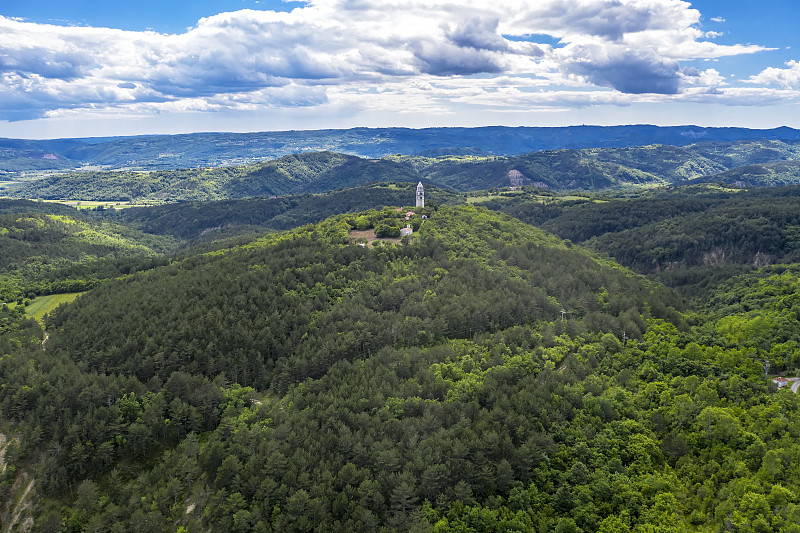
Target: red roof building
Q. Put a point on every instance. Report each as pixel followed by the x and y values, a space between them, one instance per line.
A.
pixel 780 381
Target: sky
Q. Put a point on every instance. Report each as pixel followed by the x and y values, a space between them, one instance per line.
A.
pixel 128 67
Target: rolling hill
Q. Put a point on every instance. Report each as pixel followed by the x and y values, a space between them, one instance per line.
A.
pixel 190 220
pixel 294 174
pixel 46 248
pixel 761 175
pixel 687 236
pixel 589 169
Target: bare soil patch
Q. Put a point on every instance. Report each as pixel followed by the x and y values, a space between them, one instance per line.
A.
pixel 369 236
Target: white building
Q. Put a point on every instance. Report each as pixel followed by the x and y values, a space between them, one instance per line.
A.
pixel 420 195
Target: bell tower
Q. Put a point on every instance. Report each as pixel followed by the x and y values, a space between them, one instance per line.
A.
pixel 420 195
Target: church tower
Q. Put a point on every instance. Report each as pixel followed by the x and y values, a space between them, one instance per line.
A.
pixel 420 195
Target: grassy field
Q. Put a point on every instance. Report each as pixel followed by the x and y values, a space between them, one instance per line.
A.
pixel 479 199
pixel 86 204
pixel 485 197
pixel 542 199
pixel 44 304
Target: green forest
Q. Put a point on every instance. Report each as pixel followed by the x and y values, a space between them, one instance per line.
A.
pixel 687 237
pixel 280 359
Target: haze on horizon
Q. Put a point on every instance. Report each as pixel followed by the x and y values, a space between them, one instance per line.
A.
pixel 246 65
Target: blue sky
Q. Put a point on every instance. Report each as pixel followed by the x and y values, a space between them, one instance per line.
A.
pixel 91 68
pixel 165 16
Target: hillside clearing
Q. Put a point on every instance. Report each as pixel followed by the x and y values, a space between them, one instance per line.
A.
pixel 44 304
pixel 369 235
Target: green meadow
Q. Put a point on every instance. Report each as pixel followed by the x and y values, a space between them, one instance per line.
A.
pixel 44 304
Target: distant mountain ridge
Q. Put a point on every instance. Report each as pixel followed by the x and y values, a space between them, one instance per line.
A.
pixel 164 152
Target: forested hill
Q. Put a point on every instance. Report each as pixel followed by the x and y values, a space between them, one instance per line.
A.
pixel 190 220
pixel 143 366
pixel 603 168
pixel 295 174
pixel 688 237
pixel 162 152
pixel 590 169
pixel 50 248
pixel 480 375
pixel 763 175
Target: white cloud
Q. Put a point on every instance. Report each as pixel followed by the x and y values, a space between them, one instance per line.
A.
pixel 710 78
pixel 606 19
pixel 718 19
pixel 786 77
pixel 741 96
pixel 326 51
